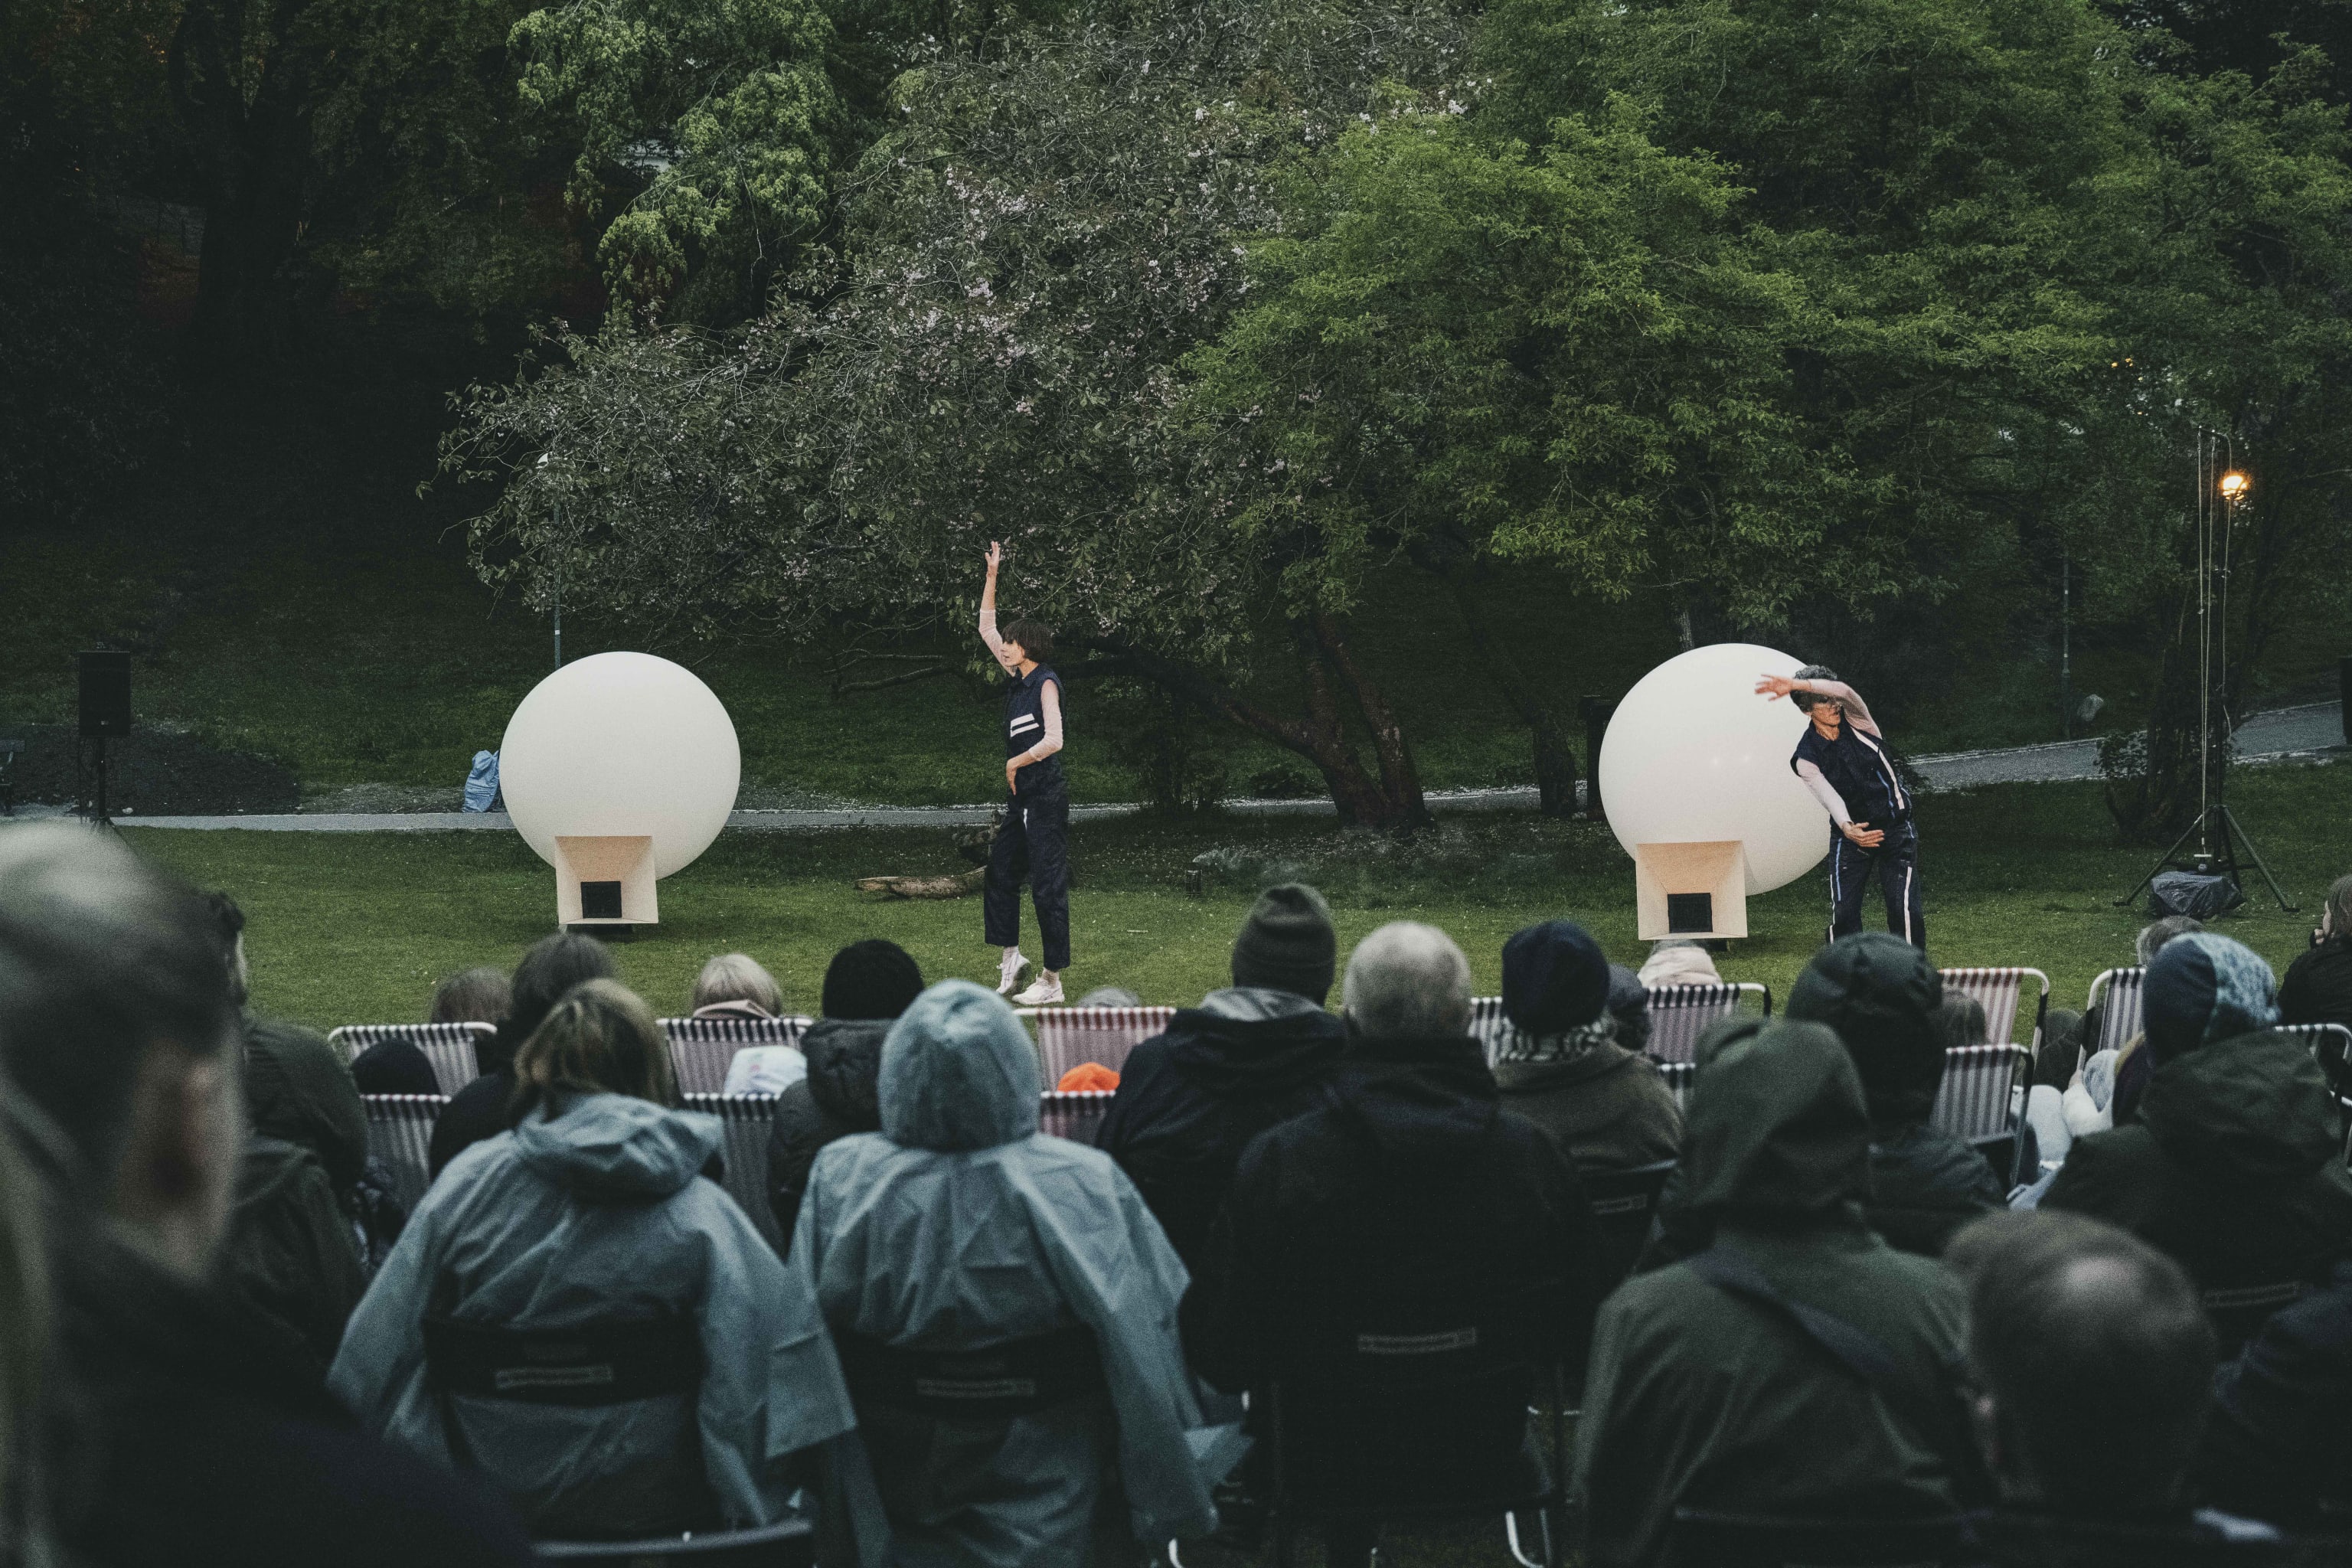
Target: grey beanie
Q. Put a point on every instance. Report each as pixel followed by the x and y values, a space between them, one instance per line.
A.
pixel 1287 944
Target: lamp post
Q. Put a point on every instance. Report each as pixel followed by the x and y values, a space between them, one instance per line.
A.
pixel 557 506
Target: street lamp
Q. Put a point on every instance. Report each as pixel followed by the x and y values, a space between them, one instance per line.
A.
pixel 2233 486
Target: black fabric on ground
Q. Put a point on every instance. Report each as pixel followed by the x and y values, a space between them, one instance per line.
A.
pixel 1192 1098
pixel 1404 1205
pixel 836 1098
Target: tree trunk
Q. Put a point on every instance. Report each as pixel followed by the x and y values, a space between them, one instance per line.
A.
pixel 1555 759
pixel 1402 802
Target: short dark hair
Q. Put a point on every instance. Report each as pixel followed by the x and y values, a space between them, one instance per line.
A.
pixel 2097 1352
pixel 101 956
pixel 553 965
pixel 871 979
pixel 1811 672
pixel 1036 637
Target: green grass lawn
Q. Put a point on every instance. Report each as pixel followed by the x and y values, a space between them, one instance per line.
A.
pixel 356 927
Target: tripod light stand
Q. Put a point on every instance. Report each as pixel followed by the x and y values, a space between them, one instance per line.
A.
pixel 2216 827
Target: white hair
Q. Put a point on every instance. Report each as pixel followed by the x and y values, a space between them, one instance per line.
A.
pixel 1407 980
pixel 738 977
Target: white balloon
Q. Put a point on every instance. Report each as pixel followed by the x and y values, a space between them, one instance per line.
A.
pixel 621 744
pixel 1692 754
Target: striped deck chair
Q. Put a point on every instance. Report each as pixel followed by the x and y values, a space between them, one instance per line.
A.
pixel 2117 992
pixel 450 1048
pixel 1073 1114
pixel 400 1139
pixel 702 1049
pixel 1679 1014
pixel 1679 1077
pixel 746 1119
pixel 1069 1036
pixel 1974 1101
pixel 1999 990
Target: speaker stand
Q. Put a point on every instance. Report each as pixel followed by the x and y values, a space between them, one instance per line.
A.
pixel 100 815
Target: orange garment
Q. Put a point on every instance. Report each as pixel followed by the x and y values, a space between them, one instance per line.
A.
pixel 1088 1076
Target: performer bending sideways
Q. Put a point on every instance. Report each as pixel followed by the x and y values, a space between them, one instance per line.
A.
pixel 1034 840
pixel 1842 760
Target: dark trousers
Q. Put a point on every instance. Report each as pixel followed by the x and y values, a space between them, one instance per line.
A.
pixel 1895 864
pixel 1034 842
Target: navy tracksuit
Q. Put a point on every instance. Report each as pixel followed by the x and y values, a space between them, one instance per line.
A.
pixel 1856 765
pixel 1033 840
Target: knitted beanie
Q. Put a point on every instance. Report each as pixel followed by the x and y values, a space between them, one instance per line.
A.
pixel 1555 978
pixel 1287 944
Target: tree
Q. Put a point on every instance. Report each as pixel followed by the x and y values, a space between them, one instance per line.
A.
pixel 1026 259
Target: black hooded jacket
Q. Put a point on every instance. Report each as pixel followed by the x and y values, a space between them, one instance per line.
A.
pixel 837 1098
pixel 2234 1168
pixel 1404 1205
pixel 1191 1099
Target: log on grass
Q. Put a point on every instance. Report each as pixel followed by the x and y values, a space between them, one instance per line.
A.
pixel 955 886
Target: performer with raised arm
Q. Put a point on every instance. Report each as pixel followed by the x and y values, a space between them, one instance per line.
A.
pixel 1842 759
pixel 1034 838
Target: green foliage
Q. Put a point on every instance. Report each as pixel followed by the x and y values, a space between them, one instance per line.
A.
pixel 701 125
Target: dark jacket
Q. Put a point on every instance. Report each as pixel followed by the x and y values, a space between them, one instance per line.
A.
pixel 2280 1436
pixel 2235 1169
pixel 292 1253
pixel 1699 1398
pixel 1406 1206
pixel 836 1098
pixel 2318 990
pixel 1606 1107
pixel 211 1439
pixel 1191 1099
pixel 1925 1185
pixel 483 1108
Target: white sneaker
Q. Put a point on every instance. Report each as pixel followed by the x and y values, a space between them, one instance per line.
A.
pixel 1008 972
pixel 1044 992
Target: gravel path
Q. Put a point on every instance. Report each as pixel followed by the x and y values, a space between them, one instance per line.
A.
pixel 2284 732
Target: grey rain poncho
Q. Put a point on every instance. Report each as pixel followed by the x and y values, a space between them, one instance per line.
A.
pixel 600 1213
pixel 958 1227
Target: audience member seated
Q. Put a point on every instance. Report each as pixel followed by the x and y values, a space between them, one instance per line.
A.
pixel 589 1231
pixel 1883 999
pixel 1704 1392
pixel 2132 1069
pixel 735 985
pixel 2279 1445
pixel 292 1254
pixel 1404 1211
pixel 1678 961
pixel 2318 984
pixel 478 995
pixel 867 984
pixel 2236 1168
pixel 2091 1364
pixel 1562 1069
pixel 483 1108
pixel 1004 1307
pixel 1249 1055
pixel 208 1437
pixel 1628 1004
pixel 2060 1055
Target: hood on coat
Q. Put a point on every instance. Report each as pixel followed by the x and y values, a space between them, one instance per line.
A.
pixel 845 1058
pixel 296 1089
pixel 2254 1109
pixel 958 1072
pixel 1776 1124
pixel 1249 1041
pixel 616 1147
pixel 1421 1102
pixel 1881 995
pixel 2204 987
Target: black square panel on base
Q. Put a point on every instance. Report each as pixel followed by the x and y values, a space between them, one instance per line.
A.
pixel 600 901
pixel 1692 912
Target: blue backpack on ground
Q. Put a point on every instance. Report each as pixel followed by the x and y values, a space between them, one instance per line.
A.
pixel 482 784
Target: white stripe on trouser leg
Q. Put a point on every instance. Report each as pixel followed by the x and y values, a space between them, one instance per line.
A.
pixel 1906 906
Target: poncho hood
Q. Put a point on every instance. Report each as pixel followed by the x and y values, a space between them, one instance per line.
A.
pixel 958 1072
pixel 2204 987
pixel 298 1089
pixel 616 1147
pixel 1776 1127
pixel 2251 1110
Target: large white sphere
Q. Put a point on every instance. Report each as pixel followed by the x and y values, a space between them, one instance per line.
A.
pixel 1693 754
pixel 621 743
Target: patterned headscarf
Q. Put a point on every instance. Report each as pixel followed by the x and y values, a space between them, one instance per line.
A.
pixel 1545 1049
pixel 2204 987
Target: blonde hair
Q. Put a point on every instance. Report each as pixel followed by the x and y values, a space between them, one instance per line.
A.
pixel 738 977
pixel 601 1038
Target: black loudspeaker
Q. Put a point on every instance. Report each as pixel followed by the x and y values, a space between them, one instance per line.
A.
pixel 105 695
pixel 1690 912
pixel 600 901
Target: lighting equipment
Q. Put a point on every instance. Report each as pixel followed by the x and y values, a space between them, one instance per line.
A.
pixel 2220 499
